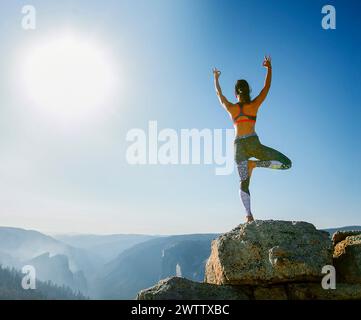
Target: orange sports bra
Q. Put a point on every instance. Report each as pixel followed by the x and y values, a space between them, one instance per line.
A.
pixel 237 119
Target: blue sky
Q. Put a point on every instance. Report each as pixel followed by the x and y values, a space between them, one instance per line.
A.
pixel 76 179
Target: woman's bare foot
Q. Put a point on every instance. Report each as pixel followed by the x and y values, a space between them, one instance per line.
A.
pixel 251 166
pixel 249 219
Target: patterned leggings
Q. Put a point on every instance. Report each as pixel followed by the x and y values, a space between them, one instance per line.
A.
pixel 249 146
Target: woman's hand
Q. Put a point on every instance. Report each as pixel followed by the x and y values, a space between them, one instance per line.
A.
pixel 216 73
pixel 267 62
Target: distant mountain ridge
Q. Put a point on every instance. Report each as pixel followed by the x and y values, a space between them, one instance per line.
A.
pixel 59 261
pixel 106 247
pixel 55 261
pixel 347 228
pixel 22 245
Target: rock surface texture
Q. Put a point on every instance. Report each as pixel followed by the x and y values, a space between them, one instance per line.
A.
pixel 178 288
pixel 269 252
pixel 347 256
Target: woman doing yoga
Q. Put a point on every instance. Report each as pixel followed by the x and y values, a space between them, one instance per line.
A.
pixel 247 144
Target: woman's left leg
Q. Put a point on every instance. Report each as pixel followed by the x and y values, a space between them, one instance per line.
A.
pixel 241 159
pixel 244 193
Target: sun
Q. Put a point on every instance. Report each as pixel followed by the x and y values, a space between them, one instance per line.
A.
pixel 68 78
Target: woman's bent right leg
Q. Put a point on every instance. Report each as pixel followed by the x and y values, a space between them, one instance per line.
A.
pixel 270 158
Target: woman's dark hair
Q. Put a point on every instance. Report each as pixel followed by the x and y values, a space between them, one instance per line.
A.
pixel 242 89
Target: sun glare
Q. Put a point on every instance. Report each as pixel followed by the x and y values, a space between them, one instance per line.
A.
pixel 68 78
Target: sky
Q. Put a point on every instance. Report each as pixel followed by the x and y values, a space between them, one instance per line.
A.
pixel 70 174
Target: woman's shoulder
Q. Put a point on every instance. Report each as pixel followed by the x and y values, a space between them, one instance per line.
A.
pixel 251 107
pixel 233 109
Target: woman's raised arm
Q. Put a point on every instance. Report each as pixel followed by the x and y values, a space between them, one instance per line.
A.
pixel 263 94
pixel 222 99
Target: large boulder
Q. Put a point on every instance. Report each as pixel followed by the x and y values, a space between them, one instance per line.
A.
pixel 269 252
pixel 347 256
pixel 178 288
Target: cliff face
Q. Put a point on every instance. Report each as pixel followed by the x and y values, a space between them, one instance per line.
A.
pixel 272 260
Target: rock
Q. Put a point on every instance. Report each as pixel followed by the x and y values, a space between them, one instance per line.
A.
pixel 347 259
pixel 272 260
pixel 267 252
pixel 177 288
pixel 270 293
pixel 338 236
pixel 314 291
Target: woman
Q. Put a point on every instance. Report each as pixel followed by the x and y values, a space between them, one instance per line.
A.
pixel 247 143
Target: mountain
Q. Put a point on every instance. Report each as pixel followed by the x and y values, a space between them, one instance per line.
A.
pixel 23 244
pixel 146 263
pixel 56 269
pixel 11 289
pixel 105 247
pixel 54 259
pixel 19 245
pixel 331 231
